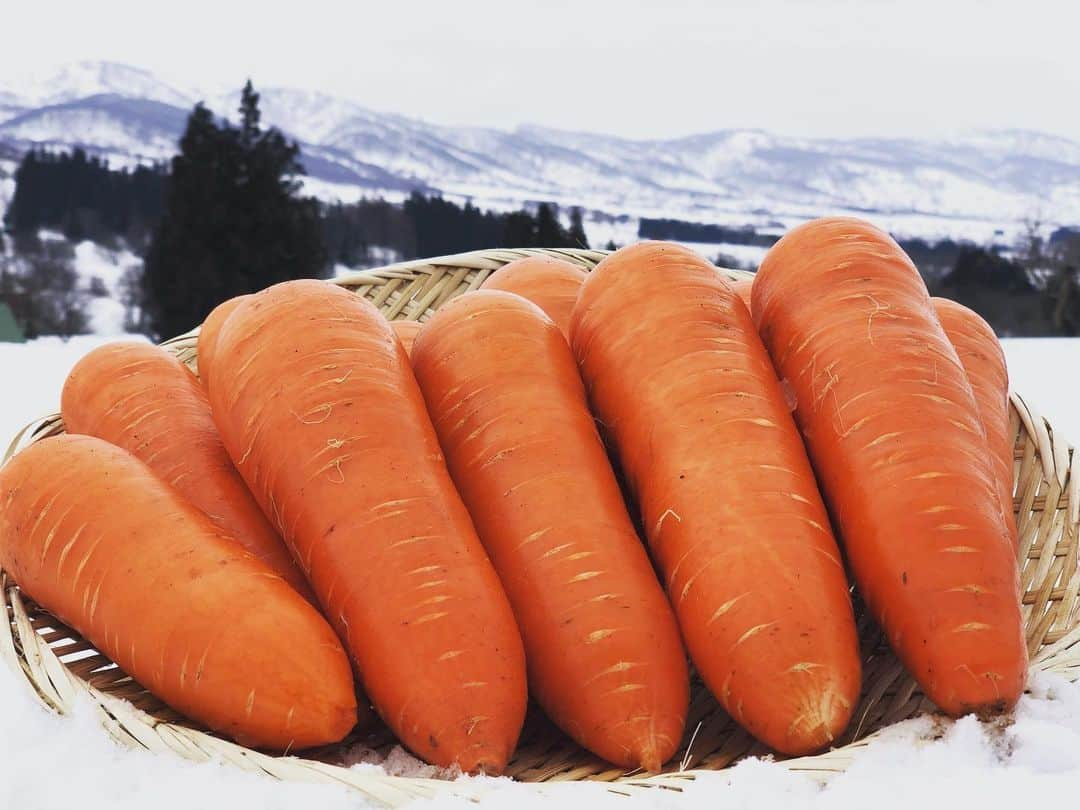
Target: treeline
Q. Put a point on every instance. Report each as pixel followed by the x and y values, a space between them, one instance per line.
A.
pixel 677 230
pixel 433 226
pixel 223 218
pixel 1033 290
pixel 934 259
pixel 82 197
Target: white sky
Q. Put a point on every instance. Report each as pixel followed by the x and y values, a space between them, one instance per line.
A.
pixel 815 67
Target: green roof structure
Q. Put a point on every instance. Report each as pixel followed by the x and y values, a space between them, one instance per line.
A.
pixel 9 330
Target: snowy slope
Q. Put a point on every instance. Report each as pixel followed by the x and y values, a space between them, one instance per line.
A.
pixel 111 123
pixel 969 186
pixel 90 78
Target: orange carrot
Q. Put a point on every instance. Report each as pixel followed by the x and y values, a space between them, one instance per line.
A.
pixel 318 406
pixel 742 289
pixel 891 425
pixel 208 332
pixel 680 379
pixel 984 363
pixel 604 656
pixel 552 284
pixel 95 537
pixel 406 332
pixel 141 398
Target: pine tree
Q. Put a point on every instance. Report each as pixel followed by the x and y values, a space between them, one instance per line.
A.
pixel 519 230
pixel 233 221
pixel 249 113
pixel 549 233
pixel 577 229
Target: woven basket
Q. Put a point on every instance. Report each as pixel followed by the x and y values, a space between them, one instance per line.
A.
pixel 61 667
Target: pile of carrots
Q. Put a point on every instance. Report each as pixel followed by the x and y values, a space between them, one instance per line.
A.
pixel 562 487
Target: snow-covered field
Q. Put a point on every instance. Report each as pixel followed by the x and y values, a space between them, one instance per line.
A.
pixel 1033 763
pixel 52 762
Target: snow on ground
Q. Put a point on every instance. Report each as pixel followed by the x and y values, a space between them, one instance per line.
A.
pixel 34 373
pixel 1034 761
pixel 1043 372
pixel 94 261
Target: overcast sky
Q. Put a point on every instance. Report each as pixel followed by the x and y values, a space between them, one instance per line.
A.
pixel 814 67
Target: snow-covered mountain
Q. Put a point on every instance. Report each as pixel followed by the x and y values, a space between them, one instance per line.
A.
pixel 972 185
pixel 82 79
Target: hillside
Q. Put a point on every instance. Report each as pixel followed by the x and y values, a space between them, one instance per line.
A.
pixel 972 185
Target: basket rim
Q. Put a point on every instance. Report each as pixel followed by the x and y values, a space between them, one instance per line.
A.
pixel 55 686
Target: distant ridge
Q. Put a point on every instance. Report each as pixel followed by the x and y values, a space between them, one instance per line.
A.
pixel 971 185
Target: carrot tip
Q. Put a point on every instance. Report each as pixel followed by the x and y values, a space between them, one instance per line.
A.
pixel 650 761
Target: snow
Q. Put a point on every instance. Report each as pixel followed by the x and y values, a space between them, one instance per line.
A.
pixel 36 370
pixel 92 261
pixel 88 78
pixel 1042 371
pixel 920 763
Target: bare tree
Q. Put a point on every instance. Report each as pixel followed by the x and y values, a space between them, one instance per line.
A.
pixel 42 290
pixel 1066 286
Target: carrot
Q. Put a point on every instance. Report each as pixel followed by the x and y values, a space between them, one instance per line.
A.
pixel 406 332
pixel 96 538
pixel 742 289
pixel 680 379
pixel 550 283
pixel 604 656
pixel 208 332
pixel 984 363
pixel 891 426
pixel 141 398
pixel 318 406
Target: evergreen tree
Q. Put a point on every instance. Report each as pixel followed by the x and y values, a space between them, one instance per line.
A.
pixel 549 233
pixel 519 230
pixel 232 223
pixel 84 198
pixel 577 229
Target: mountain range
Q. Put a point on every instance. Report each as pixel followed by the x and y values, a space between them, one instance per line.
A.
pixel 975 184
